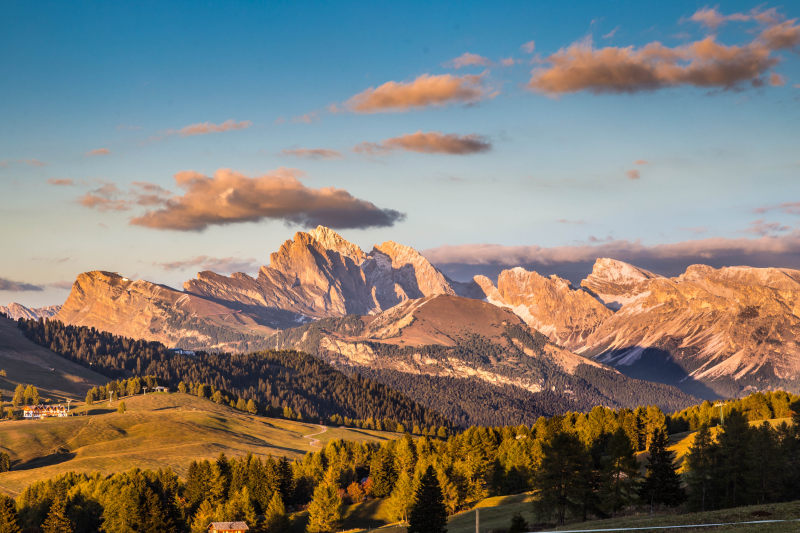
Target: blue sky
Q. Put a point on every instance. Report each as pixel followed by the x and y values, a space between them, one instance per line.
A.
pixel 712 132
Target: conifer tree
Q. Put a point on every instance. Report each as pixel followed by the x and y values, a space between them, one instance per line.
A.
pixel 402 497
pixel 620 473
pixel 383 473
pixel 275 518
pixel 561 480
pixel 8 515
pixel 240 507
pixel 203 517
pixel 57 521
pixel 325 509
pixel 518 524
pixel 428 513
pixel 662 484
pixel 700 468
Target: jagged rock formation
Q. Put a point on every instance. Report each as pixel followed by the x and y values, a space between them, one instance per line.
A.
pixel 550 305
pixel 319 274
pixel 15 311
pixel 710 331
pixel 431 347
pixel 144 310
pixel 733 329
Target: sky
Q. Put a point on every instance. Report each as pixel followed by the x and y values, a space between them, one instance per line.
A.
pixel 160 139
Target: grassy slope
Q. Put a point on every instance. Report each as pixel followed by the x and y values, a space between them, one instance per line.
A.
pixel 26 362
pixel 157 431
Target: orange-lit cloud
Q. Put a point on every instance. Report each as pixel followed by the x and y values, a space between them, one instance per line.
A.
pixel 65 182
pixel 430 143
pixel 230 197
pixel 313 153
pixel 308 118
pixel 107 197
pixel 221 265
pixel 468 59
pixel 713 19
pixel 204 128
pixel 98 151
pixel 633 174
pixel 704 63
pixel 785 35
pixel 641 162
pixel 776 80
pixel 507 61
pixel 425 91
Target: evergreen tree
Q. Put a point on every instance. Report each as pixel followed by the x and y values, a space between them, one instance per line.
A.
pixel 383 473
pixel 428 513
pixel 325 509
pixel 5 462
pixel 662 484
pixel 561 480
pixel 518 524
pixel 57 521
pixel 402 497
pixel 700 468
pixel 735 466
pixel 203 517
pixel 8 515
pixel 620 473
pixel 251 407
pixel 240 507
pixel 19 395
pixel 121 407
pixel 275 518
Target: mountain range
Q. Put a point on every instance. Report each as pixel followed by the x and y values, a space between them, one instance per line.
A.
pixel 392 315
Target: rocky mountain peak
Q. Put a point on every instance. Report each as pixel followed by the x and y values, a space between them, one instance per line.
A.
pixel 15 311
pixel 611 270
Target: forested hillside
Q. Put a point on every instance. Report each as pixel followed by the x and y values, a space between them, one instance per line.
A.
pixel 274 380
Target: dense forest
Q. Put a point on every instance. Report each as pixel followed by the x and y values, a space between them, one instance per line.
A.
pixel 579 465
pixel 278 382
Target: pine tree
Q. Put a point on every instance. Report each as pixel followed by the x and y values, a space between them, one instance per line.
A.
pixel 19 395
pixel 561 480
pixel 121 408
pixel 8 515
pixel 428 513
pixel 662 484
pixel 275 518
pixel 518 524
pixel 203 517
pixel 620 472
pixel 402 497
pixel 57 521
pixel 251 407
pixel 240 507
pixel 325 509
pixel 383 473
pixel 700 468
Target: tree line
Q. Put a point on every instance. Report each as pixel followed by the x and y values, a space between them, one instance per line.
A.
pixel 578 465
pixel 279 383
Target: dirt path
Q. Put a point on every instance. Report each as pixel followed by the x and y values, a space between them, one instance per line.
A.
pixel 311 440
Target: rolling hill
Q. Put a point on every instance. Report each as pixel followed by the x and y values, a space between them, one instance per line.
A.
pixel 29 363
pixel 157 431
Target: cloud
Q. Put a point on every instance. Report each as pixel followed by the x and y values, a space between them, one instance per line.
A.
pixel 713 19
pixel 633 174
pixel 568 221
pixel 313 153
pixel 611 34
pixel 98 151
pixel 507 61
pixel 66 182
pixel 308 118
pixel 790 208
pixel 783 36
pixel 761 227
pixel 107 197
pixel 574 262
pixel 222 265
pixel 64 285
pixel 30 162
pixel 704 63
pixel 204 128
pixel 776 80
pixel 425 91
pixel 467 60
pixel 230 197
pixel 528 47
pixel 641 162
pixel 9 285
pixel 429 143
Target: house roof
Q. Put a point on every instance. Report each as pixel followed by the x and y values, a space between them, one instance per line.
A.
pixel 229 525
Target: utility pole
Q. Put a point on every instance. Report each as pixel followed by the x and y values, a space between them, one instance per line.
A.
pixel 477 521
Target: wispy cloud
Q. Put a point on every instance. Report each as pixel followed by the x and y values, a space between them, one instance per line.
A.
pixel 313 153
pixel 61 182
pixel 429 143
pixel 528 47
pixel 20 286
pixel 791 208
pixel 98 151
pixel 230 197
pixel 221 265
pixel 468 59
pixel 633 174
pixel 204 128
pixel 425 91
